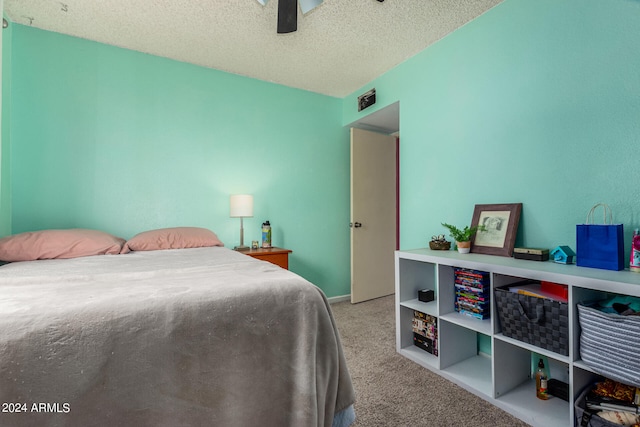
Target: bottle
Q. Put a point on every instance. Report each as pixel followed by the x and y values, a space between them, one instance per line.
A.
pixel 541 382
pixel 266 234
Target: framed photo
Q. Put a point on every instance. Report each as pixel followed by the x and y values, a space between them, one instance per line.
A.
pixel 501 223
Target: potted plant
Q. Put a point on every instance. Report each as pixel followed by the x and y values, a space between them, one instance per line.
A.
pixel 463 236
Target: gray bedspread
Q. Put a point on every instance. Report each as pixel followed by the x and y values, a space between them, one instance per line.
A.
pixel 187 337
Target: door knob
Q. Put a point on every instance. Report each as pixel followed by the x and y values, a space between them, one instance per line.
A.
pixel 357 225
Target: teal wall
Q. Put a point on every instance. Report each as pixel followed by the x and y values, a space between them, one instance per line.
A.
pixel 536 101
pixel 108 138
pixel 5 142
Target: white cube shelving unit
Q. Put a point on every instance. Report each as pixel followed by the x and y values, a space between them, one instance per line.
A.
pixel 504 377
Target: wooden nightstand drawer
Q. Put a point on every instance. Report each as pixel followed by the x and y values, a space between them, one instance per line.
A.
pixel 277 256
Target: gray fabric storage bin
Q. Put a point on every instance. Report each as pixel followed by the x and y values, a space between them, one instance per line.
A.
pixel 610 344
pixel 538 321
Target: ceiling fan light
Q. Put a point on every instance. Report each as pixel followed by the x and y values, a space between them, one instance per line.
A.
pixel 308 5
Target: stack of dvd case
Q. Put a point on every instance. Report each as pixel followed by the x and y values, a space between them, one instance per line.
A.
pixel 472 292
pixel 425 332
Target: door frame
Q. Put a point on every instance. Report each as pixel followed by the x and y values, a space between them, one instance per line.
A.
pixel 386 121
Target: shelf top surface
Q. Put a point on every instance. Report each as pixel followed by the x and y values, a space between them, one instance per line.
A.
pixel 542 270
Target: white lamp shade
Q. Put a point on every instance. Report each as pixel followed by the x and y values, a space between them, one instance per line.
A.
pixel 241 206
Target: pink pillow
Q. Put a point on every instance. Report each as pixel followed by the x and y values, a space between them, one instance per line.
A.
pixel 50 244
pixel 172 238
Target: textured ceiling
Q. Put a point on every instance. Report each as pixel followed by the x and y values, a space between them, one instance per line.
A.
pixel 340 46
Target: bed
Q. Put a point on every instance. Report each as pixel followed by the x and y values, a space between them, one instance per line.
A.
pixel 200 336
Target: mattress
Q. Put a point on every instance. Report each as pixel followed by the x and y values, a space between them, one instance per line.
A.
pixel 184 337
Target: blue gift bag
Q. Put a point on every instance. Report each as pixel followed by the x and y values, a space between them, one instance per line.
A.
pixel 600 245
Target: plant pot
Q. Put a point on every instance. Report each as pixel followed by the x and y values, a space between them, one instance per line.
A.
pixel 464 247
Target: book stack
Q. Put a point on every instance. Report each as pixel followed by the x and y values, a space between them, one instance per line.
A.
pixel 425 332
pixel 472 292
pixel 541 289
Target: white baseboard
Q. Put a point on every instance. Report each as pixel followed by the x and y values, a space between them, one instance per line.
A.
pixel 333 300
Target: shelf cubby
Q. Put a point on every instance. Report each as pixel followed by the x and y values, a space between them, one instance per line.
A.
pixel 460 358
pixel 416 276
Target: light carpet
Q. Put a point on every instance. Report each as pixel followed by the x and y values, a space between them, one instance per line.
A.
pixel 394 391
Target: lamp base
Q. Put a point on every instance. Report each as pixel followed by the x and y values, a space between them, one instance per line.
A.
pixel 241 248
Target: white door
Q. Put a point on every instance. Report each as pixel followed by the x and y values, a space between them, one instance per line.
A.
pixel 373 214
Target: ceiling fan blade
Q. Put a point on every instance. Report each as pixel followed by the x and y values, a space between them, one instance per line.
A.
pixel 307 5
pixel 287 16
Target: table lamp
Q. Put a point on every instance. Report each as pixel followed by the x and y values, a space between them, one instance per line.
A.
pixel 241 206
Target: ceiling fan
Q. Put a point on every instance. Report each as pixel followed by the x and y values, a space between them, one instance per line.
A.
pixel 288 13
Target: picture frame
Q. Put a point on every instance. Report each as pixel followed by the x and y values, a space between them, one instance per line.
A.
pixel 501 222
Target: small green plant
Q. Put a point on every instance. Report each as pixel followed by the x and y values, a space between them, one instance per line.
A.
pixel 465 234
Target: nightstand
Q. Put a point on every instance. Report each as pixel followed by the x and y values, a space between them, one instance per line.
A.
pixel 277 256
